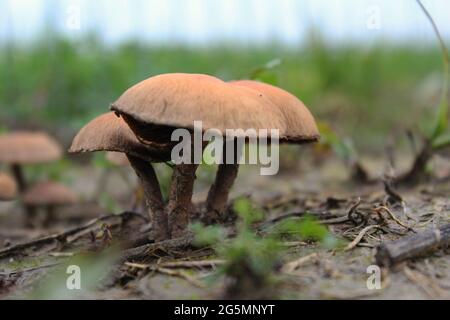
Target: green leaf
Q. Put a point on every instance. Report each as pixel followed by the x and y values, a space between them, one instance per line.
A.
pixel 245 210
pixel 307 228
pixel 342 147
pixel 207 235
pixel 442 141
pixel 441 119
pixel 265 73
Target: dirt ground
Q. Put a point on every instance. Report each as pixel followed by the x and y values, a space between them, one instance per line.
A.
pixel 320 274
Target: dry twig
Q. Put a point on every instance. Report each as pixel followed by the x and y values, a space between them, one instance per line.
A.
pixel 359 237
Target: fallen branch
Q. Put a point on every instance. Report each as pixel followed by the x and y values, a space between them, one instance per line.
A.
pixel 293 265
pixel 336 220
pixel 389 254
pixel 63 236
pixel 166 245
pixel 192 264
pixel 166 271
pixel 16 272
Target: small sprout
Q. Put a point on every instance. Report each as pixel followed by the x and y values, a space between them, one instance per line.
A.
pixel 307 228
pixel 207 235
pixel 246 211
pixel 251 260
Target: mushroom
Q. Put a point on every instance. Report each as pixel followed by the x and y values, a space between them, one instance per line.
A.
pixel 154 107
pixel 300 128
pixel 107 132
pixel 25 148
pixel 49 195
pixel 8 187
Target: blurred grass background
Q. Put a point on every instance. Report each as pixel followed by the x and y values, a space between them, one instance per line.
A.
pixel 367 93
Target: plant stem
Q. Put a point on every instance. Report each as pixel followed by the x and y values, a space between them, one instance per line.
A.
pixel 417 171
pixel 153 196
pixel 444 106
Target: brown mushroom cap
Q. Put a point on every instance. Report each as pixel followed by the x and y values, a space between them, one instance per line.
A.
pixel 177 100
pixel 300 124
pixel 49 194
pixel 108 132
pixel 8 187
pixel 28 148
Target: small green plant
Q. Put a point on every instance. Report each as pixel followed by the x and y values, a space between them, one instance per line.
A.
pixel 438 134
pixel 266 73
pixel 307 228
pixel 252 259
pixel 342 147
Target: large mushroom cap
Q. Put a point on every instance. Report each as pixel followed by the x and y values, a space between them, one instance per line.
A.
pixel 28 148
pixel 300 124
pixel 108 132
pixel 179 99
pixel 8 187
pixel 49 194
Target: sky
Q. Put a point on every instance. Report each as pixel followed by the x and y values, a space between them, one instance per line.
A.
pixel 203 22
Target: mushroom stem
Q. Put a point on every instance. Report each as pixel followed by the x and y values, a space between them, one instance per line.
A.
pixel 18 175
pixel 22 185
pixel 49 215
pixel 219 191
pixel 144 170
pixel 179 206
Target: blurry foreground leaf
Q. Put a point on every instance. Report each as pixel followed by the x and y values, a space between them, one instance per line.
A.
pixel 247 212
pixel 88 271
pixel 207 235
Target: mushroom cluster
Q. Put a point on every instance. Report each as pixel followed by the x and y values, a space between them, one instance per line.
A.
pixel 147 114
pixel 19 149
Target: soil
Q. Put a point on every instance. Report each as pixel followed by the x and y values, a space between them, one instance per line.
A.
pixel 323 274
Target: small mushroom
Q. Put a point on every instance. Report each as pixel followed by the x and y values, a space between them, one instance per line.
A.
pixel 8 187
pixel 49 195
pixel 26 148
pixel 154 107
pixel 107 132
